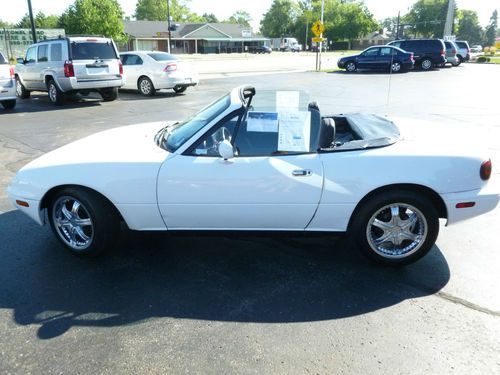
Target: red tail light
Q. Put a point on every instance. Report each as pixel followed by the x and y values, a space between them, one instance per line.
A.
pixel 69 71
pixel 120 65
pixel 442 52
pixel 485 170
pixel 170 68
pixel 411 56
pixel 12 72
pixel 454 51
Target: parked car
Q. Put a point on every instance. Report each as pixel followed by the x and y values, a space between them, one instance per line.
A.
pixel 476 49
pixel 7 84
pixel 451 53
pixel 428 53
pixel 463 52
pixel 148 71
pixel 378 57
pixel 66 66
pixel 259 162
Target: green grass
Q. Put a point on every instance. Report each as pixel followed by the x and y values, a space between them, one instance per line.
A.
pixel 495 59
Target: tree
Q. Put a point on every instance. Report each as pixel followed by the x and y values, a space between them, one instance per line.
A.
pixel 210 18
pixel 4 24
pixel 99 17
pixel 468 27
pixel 156 10
pixel 280 19
pixel 390 24
pixel 240 17
pixel 491 29
pixel 41 21
pixel 428 17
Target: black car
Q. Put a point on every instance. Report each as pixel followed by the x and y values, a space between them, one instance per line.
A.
pixel 260 49
pixel 427 53
pixel 378 57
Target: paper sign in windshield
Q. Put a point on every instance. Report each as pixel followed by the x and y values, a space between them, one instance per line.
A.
pixel 294 131
pixel 287 100
pixel 262 122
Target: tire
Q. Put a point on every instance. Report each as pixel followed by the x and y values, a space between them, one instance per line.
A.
pixel 84 222
pixel 180 89
pixel 21 91
pixel 56 96
pixel 408 220
pixel 109 94
pixel 351 67
pixel 460 59
pixel 146 87
pixel 9 104
pixel 396 67
pixel 426 64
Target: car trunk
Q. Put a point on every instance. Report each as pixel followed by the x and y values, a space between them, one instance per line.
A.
pixel 94 61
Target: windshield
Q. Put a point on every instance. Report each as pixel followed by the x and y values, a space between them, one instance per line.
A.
pixel 161 56
pixel 179 133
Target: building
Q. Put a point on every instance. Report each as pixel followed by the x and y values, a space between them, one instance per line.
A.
pixel 372 39
pixel 191 37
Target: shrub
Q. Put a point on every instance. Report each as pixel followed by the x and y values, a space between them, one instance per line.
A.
pixel 493 50
pixel 483 59
pixel 486 49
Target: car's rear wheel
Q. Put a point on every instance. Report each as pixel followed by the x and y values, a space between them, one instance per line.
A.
pixel 396 67
pixel 56 96
pixel 146 87
pixel 109 94
pixel 84 222
pixel 21 90
pixel 396 228
pixel 180 89
pixel 9 104
pixel 426 64
pixel 351 66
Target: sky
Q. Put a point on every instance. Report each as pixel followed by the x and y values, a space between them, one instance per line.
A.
pixel 223 9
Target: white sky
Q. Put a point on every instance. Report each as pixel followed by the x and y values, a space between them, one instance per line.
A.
pixel 224 9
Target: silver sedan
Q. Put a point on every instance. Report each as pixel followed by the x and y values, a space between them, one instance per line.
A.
pixel 148 71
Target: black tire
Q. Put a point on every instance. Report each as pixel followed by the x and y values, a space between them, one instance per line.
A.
pixel 21 91
pixel 91 239
pixel 426 64
pixel 351 67
pixel 9 104
pixel 110 94
pixel 145 86
pixel 180 89
pixel 56 96
pixel 396 215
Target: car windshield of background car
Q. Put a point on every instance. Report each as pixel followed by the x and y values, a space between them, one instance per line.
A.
pixel 183 131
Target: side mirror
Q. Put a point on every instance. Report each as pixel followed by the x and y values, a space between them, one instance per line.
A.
pixel 20 60
pixel 226 150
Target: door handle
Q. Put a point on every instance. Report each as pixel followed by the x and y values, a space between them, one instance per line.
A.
pixel 302 172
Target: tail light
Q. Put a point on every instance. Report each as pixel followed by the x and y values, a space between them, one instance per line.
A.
pixel 411 56
pixel 485 170
pixel 69 71
pixel 120 66
pixel 454 51
pixel 12 72
pixel 442 52
pixel 170 68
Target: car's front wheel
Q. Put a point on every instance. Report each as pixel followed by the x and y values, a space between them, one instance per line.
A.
pixel 9 104
pixel 396 67
pixel 351 66
pixel 56 96
pixel 83 221
pixel 146 87
pixel 396 228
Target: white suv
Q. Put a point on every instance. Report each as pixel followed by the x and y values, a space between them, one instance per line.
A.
pixel 7 84
pixel 70 65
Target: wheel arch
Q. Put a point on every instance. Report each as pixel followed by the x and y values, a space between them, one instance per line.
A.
pixel 51 193
pixel 143 76
pixel 429 193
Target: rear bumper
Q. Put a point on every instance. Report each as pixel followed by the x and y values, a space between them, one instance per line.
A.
pixel 75 84
pixel 485 200
pixel 7 90
pixel 172 80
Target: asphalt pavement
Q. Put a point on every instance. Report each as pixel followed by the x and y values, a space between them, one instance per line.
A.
pixel 221 304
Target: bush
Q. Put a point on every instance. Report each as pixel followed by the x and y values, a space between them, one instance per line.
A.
pixel 493 50
pixel 483 59
pixel 486 49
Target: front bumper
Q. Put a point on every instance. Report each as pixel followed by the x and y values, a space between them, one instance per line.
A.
pixel 33 209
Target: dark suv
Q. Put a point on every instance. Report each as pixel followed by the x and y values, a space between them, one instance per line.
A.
pixel 427 53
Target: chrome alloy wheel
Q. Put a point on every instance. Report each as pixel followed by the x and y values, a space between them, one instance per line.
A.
pixel 19 88
pixel 145 86
pixel 52 92
pixel 351 67
pixel 72 222
pixel 426 64
pixel 396 230
pixel 395 67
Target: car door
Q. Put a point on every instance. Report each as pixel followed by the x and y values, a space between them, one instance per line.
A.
pixel 385 57
pixel 259 189
pixel 368 59
pixel 41 66
pixel 29 72
pixel 133 68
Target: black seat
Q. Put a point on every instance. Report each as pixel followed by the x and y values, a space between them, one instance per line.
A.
pixel 327 133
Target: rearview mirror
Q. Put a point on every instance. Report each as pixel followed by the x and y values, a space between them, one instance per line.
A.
pixel 226 150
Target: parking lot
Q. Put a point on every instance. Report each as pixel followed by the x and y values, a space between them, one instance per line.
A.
pixel 253 304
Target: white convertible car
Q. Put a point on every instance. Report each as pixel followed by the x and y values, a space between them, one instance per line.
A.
pixel 265 161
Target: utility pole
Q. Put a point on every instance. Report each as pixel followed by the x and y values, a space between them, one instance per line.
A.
pixel 168 24
pixel 321 43
pixel 397 27
pixel 450 16
pixel 33 32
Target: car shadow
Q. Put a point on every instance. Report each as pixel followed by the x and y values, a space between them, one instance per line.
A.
pixel 125 95
pixel 39 102
pixel 381 72
pixel 244 278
